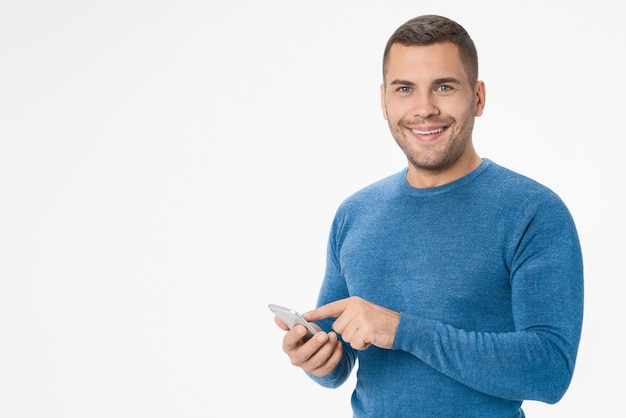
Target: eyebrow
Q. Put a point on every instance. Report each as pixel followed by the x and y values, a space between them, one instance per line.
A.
pixel 438 81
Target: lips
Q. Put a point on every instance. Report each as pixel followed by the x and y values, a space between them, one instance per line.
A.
pixel 429 132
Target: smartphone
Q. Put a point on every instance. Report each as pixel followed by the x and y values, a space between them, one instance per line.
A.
pixel 291 318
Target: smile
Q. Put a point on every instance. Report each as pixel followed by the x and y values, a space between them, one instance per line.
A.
pixel 434 131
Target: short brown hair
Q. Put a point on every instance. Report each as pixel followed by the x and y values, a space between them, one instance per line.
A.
pixel 431 29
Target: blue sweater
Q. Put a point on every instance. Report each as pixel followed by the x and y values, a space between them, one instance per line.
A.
pixel 487 275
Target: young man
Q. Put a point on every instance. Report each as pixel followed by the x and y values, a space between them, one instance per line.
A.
pixel 456 284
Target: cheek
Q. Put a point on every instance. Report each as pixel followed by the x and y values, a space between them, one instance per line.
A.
pixel 462 112
pixel 394 110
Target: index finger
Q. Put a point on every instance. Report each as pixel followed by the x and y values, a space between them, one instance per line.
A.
pixel 281 324
pixel 330 310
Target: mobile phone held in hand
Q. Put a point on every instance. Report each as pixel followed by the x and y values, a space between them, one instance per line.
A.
pixel 291 318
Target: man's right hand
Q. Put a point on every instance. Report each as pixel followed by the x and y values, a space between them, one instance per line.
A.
pixel 318 356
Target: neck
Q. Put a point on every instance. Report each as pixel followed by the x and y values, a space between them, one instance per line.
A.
pixel 423 178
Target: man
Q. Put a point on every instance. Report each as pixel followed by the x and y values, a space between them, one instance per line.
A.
pixel 456 284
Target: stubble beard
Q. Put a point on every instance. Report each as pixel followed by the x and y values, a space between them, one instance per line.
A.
pixel 430 157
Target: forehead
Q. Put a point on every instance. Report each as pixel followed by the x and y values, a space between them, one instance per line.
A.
pixel 424 62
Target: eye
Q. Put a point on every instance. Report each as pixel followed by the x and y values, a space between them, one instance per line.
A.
pixel 444 88
pixel 404 89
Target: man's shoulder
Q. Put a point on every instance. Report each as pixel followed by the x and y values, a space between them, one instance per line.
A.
pixel 508 179
pixel 505 183
pixel 379 188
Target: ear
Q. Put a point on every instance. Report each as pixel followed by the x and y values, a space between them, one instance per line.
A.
pixel 383 103
pixel 480 98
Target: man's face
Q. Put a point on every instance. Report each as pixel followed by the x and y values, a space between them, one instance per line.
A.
pixel 430 106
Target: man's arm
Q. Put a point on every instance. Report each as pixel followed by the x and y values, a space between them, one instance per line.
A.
pixel 533 361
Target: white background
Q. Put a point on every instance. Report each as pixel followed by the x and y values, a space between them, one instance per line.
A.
pixel 167 169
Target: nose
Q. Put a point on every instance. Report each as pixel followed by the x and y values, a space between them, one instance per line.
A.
pixel 424 105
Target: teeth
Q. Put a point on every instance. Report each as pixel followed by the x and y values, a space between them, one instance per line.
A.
pixel 435 131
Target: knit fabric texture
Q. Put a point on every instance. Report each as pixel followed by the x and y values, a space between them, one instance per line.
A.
pixel 487 275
